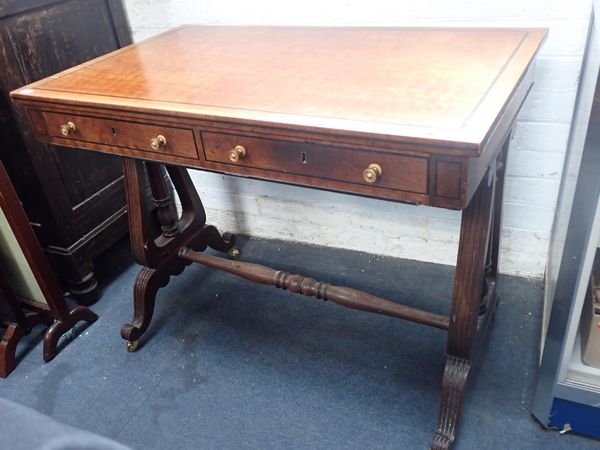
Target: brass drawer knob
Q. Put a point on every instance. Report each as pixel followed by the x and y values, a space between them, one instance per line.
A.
pixel 67 128
pixel 371 173
pixel 157 142
pixel 237 153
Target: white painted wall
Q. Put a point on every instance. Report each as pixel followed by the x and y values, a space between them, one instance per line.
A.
pixel 421 233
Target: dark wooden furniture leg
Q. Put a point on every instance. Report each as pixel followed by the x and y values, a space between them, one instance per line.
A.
pixel 474 298
pixel 12 335
pixel 17 323
pixel 64 324
pixel 157 250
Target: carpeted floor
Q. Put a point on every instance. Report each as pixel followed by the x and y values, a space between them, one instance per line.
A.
pixel 228 364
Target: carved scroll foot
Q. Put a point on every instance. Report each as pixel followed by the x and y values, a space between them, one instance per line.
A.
pixel 149 281
pixel 456 373
pixel 60 327
pixel 147 284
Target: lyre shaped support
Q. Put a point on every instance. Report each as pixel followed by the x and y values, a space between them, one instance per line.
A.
pixel 157 250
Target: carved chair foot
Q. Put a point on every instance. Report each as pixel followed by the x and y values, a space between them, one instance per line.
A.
pixel 60 327
pixel 456 373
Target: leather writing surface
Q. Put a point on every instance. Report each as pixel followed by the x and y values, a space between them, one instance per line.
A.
pixel 428 83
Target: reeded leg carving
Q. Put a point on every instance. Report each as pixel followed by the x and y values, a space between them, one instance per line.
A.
pixel 60 327
pixel 468 290
pixel 147 284
pixel 456 373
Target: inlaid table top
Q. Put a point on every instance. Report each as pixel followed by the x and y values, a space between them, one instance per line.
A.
pixel 440 86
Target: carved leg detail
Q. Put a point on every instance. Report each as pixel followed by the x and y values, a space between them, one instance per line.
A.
pixel 149 281
pixel 147 284
pixel 158 253
pixel 161 197
pixel 469 288
pixel 456 373
pixel 60 327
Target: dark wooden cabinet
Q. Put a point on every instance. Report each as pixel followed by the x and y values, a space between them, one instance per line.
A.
pixel 74 200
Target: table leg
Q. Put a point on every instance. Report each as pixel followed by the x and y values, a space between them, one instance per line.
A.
pixel 156 239
pixel 477 259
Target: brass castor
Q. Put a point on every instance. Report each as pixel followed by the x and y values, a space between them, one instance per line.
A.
pixel 132 346
pixel 234 253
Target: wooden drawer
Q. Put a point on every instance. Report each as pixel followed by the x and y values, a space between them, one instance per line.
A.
pixel 398 172
pixel 119 133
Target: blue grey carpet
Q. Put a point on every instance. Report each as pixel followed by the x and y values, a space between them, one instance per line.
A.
pixel 230 365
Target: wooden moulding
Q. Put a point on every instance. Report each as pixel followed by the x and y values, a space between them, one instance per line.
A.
pixel 299 284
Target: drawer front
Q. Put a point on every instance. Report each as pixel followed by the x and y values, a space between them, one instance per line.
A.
pixel 119 133
pixel 398 172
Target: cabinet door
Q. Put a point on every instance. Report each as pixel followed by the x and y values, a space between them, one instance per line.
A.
pixel 82 190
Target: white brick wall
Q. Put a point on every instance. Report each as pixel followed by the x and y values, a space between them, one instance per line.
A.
pixel 427 234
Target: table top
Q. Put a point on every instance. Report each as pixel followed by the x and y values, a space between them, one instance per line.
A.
pixel 440 85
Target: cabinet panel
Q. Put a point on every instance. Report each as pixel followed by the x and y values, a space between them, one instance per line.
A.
pixel 75 200
pixel 61 35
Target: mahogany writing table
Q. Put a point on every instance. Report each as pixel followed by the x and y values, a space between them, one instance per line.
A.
pixel 418 115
